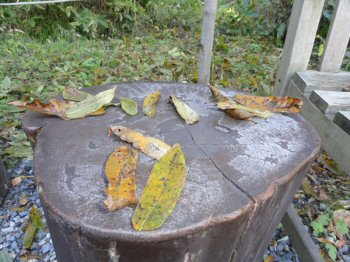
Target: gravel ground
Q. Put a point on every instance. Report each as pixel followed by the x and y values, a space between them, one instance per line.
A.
pixel 13 223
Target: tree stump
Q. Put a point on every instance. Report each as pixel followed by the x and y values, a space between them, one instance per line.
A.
pixel 241 178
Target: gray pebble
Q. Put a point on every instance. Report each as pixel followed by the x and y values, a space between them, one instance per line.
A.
pixel 14 245
pixel 323 207
pixel 346 258
pixel 46 248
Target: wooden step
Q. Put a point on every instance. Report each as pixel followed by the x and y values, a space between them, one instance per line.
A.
pixel 310 80
pixel 330 102
pixel 342 119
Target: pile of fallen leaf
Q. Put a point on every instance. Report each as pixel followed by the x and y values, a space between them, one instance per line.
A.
pixel 324 205
pixel 167 178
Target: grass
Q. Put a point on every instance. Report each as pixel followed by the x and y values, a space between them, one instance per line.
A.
pixel 30 69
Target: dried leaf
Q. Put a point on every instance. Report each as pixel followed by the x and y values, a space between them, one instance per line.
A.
pixel 269 259
pixel 235 113
pixel 121 172
pixel 254 112
pixel 342 214
pixel 18 209
pixel 149 145
pixel 90 105
pixel 53 107
pixel 5 257
pixel 150 104
pixel 16 181
pixel 74 94
pixel 23 200
pixel 163 188
pixel 129 105
pixel 35 223
pixel 185 111
pixel 270 103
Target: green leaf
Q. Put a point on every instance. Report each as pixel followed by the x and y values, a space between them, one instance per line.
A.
pixel 185 111
pixel 90 105
pixel 35 223
pixel 341 227
pixel 150 104
pixel 332 251
pixel 5 257
pixel 75 94
pixel 129 105
pixel 317 227
pixel 163 189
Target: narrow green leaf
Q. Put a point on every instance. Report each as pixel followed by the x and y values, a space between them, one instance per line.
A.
pixel 163 189
pixel 185 111
pixel 5 257
pixel 90 105
pixel 75 94
pixel 129 105
pixel 332 251
pixel 35 223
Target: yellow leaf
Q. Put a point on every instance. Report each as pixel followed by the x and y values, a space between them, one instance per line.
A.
pixel 185 111
pixel 150 104
pixel 121 173
pixel 269 259
pixel 149 145
pixel 98 112
pixel 271 103
pixel 163 189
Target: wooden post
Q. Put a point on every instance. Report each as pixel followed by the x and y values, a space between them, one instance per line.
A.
pixel 3 181
pixel 337 38
pixel 206 47
pixel 300 38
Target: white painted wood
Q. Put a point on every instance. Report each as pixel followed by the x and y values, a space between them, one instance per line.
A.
pixel 342 119
pixel 331 101
pixel 337 38
pixel 310 80
pixel 207 39
pixel 300 38
pixel 334 140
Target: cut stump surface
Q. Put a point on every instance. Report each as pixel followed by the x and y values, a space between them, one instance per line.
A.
pixel 241 178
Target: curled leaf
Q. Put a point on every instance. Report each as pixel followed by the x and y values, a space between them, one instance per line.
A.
pixel 254 112
pixel 35 223
pixel 149 145
pixel 236 113
pixel 129 105
pixel 98 112
pixel 185 111
pixel 74 94
pixel 53 107
pixel 150 104
pixel 121 172
pixel 163 189
pixel 271 103
pixel 90 105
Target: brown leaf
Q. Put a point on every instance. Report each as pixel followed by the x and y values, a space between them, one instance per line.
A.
pixel 269 259
pixel 271 103
pixel 121 173
pixel 253 111
pixel 23 200
pixel 342 214
pixel 16 181
pixel 149 145
pixel 340 243
pixel 235 113
pixel 53 107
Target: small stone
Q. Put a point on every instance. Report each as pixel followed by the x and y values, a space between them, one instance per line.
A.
pixel 23 213
pixel 33 260
pixel 14 245
pixel 279 247
pixel 346 258
pixel 42 242
pixel 7 229
pixel 345 248
pixel 323 207
pixel 46 248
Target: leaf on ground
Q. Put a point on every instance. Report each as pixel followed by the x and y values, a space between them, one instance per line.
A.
pixel 90 105
pixel 162 191
pixel 269 259
pixel 254 112
pixel 129 105
pixel 5 257
pixel 23 200
pixel 342 214
pixel 74 94
pixel 98 112
pixel 35 223
pixel 270 103
pixel 234 113
pixel 185 111
pixel 16 181
pixel 121 174
pixel 53 107
pixel 341 227
pixel 18 209
pixel 332 251
pixel 150 104
pixel 151 146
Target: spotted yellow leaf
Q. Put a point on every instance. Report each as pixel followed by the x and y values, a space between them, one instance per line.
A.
pixel 162 191
pixel 150 104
